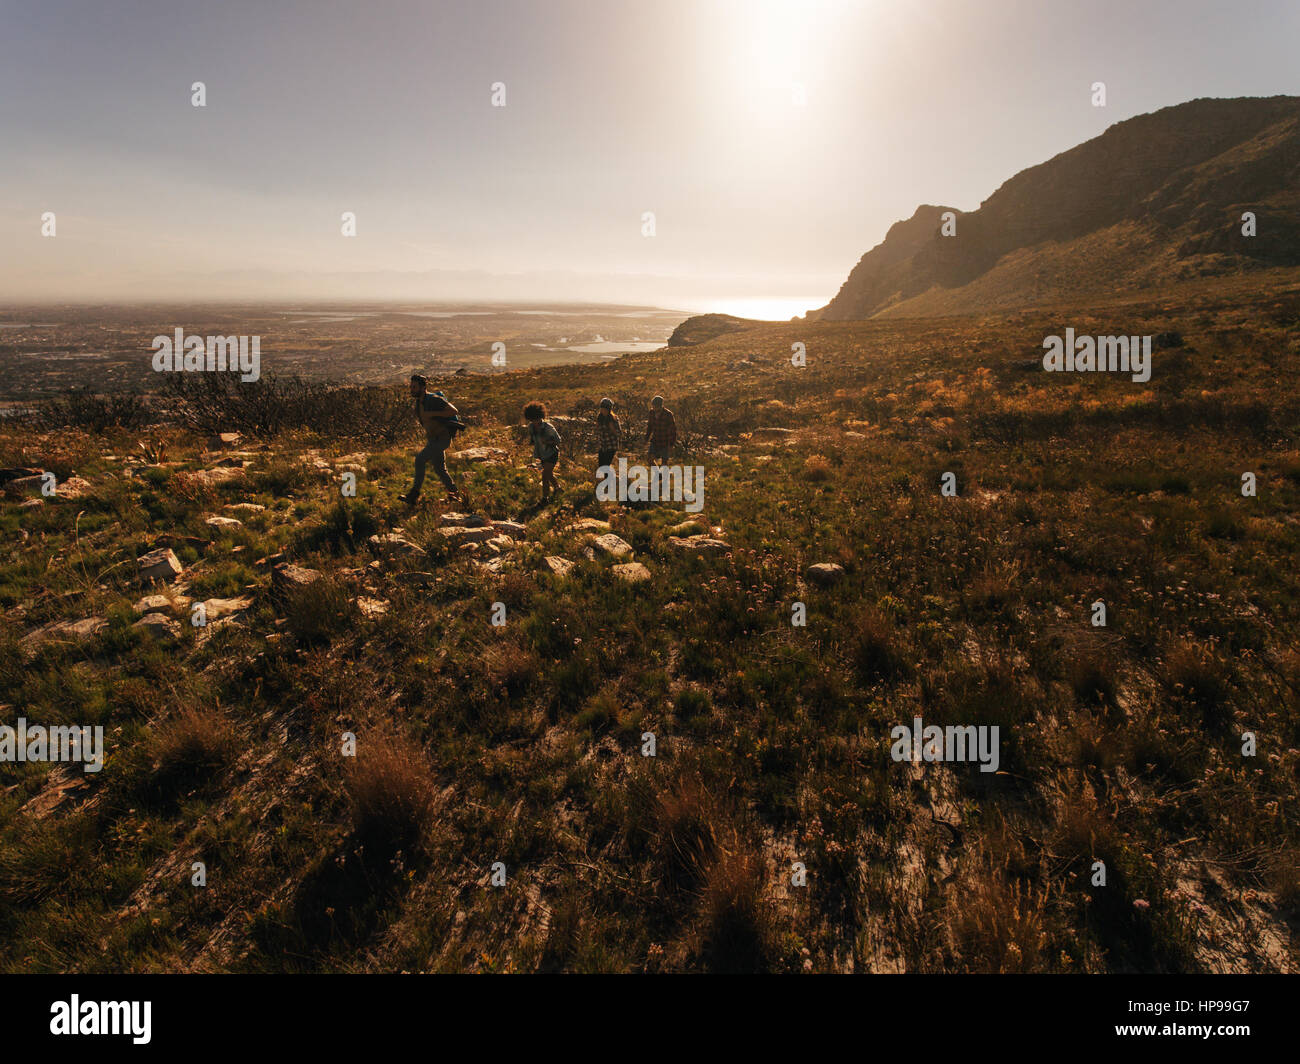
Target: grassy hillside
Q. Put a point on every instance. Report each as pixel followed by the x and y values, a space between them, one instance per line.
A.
pixel 522 743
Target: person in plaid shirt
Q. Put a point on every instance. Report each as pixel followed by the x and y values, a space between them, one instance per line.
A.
pixel 660 431
pixel 608 434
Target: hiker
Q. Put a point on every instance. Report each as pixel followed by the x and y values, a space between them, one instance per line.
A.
pixel 546 445
pixel 660 431
pixel 608 435
pixel 441 422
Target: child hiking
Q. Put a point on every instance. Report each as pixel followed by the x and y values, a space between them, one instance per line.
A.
pixel 608 435
pixel 546 446
pixel 440 421
pixel 660 431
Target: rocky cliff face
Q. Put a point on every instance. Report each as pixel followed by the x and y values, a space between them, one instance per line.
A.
pixel 1173 184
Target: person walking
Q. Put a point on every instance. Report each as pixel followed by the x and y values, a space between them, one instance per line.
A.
pixel 440 421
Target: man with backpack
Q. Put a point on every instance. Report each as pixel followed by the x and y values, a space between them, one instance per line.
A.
pixel 440 421
pixel 661 431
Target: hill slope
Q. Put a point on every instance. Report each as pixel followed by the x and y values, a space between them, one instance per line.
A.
pixel 1154 199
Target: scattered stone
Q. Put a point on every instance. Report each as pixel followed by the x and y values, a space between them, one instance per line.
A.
pixel 245 507
pixel 287 577
pixel 612 545
pixel 632 572
pixel 689 528
pixel 222 440
pixel 216 608
pixel 825 572
pixel 372 607
pixel 559 566
pixel 62 632
pixel 159 626
pixel 393 545
pixel 72 488
pixel 160 565
pixel 223 522
pixel 590 524
pixel 175 605
pixel 455 520
pixel 480 454
pixel 458 537
pixel 18 473
pixel 510 528
pixel 856 435
pixel 700 545
pixel 210 478
pixel 25 485
pixel 780 433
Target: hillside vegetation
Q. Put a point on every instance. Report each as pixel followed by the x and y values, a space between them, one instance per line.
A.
pixel 522 743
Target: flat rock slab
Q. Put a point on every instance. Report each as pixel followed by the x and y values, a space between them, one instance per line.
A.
pixel 63 632
pixel 175 605
pixel 213 477
pixel 30 485
pixel 245 507
pixel 825 573
pixel 223 522
pixel 160 627
pixel 559 566
pixel 458 537
pixel 18 473
pixel 612 545
pixel 160 565
pixel 480 454
pixel 632 572
pixel 72 488
pixel 372 607
pixel 394 546
pixel 699 545
pixel 590 524
pixel 216 608
pixel 222 440
pixel 455 520
pixel 287 577
pixel 510 528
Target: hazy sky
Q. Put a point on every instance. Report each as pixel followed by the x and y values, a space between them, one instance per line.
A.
pixel 691 109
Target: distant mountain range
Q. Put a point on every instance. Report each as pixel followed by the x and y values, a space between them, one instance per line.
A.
pixel 1154 200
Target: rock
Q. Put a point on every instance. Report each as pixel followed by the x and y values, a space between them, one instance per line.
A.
pixel 72 488
pixel 62 632
pixel 25 485
pixel 287 577
pixel 210 478
pixel 855 435
pixel 18 473
pixel 492 565
pixel 222 440
pixel 825 572
pixel 159 565
pixel 480 454
pixel 372 607
pixel 590 524
pixel 245 507
pixel 773 431
pixel 689 528
pixel 160 627
pixel 700 545
pixel 632 572
pixel 510 528
pixel 498 544
pixel 455 520
pixel 393 545
pixel 223 522
pixel 559 566
pixel 458 537
pixel 612 545
pixel 216 608
pixel 175 605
